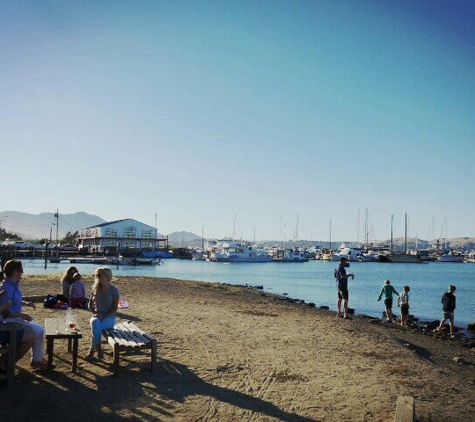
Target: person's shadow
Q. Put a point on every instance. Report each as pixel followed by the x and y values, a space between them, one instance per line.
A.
pixel 176 382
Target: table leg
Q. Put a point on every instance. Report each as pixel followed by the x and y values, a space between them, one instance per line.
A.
pixel 75 355
pixel 49 348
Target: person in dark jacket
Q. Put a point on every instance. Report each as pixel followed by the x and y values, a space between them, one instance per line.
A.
pixel 448 306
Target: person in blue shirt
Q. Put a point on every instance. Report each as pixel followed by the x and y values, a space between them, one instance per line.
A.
pixel 23 344
pixel 34 332
pixel 342 286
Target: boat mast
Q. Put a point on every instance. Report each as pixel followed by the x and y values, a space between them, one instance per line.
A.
pixel 358 231
pixel 391 242
pixel 234 229
pixel 405 233
pixel 296 229
pixel 366 230
pixel 156 234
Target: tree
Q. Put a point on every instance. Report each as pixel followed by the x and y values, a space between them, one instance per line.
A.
pixel 7 235
pixel 70 238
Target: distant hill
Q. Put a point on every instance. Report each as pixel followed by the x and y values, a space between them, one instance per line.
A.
pixel 39 226
pixel 184 239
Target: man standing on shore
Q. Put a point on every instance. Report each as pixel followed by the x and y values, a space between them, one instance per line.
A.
pixel 448 306
pixel 342 286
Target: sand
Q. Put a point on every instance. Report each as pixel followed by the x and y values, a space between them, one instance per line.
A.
pixel 230 353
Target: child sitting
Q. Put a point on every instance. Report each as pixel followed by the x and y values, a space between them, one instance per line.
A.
pixel 77 293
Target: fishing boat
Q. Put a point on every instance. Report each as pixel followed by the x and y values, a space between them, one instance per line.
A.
pixel 233 252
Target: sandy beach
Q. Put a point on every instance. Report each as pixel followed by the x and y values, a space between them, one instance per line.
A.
pixel 230 353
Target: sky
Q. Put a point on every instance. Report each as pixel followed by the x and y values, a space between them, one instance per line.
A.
pixel 259 119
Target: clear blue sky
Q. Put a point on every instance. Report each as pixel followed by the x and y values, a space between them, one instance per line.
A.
pixel 239 116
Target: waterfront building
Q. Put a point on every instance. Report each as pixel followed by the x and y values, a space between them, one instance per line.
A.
pixel 124 236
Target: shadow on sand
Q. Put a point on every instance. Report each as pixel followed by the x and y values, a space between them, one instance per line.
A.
pixel 94 394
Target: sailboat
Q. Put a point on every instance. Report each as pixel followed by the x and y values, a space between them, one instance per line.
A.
pixel 327 253
pixel 402 257
pixel 448 254
pixel 285 254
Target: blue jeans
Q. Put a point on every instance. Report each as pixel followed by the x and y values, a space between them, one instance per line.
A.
pixel 97 326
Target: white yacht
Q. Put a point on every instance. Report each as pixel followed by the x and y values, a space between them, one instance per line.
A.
pixel 233 252
pixel 351 254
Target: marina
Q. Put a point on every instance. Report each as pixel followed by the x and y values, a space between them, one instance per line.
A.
pixel 313 281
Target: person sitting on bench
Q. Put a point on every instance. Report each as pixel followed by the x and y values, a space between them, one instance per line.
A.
pixel 103 304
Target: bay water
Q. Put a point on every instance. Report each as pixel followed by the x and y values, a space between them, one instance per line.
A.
pixel 313 281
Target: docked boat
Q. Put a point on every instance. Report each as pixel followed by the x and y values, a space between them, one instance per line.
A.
pixel 157 254
pixel 89 260
pixel 351 254
pixel 288 255
pixel 198 255
pixel 402 258
pixel 449 257
pixel 135 261
pixel 232 252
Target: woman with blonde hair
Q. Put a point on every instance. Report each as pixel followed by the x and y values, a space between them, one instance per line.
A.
pixel 103 304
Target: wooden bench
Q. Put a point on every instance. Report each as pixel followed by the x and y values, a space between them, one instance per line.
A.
pixel 126 336
pixel 9 349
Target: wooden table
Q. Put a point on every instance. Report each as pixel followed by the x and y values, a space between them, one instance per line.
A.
pixel 56 329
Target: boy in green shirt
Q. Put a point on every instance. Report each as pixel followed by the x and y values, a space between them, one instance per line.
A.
pixel 388 292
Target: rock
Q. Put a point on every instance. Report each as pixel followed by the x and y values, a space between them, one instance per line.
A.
pixel 432 325
pixel 458 359
pixel 311 304
pixel 326 308
pixel 471 327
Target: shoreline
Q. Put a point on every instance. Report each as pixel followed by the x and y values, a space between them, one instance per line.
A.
pixel 312 282
pixel 231 352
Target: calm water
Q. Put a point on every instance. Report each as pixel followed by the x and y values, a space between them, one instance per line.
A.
pixel 313 281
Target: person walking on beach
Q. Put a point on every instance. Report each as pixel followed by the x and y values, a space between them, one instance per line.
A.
pixel 103 304
pixel 342 286
pixel 448 306
pixel 403 302
pixel 388 290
